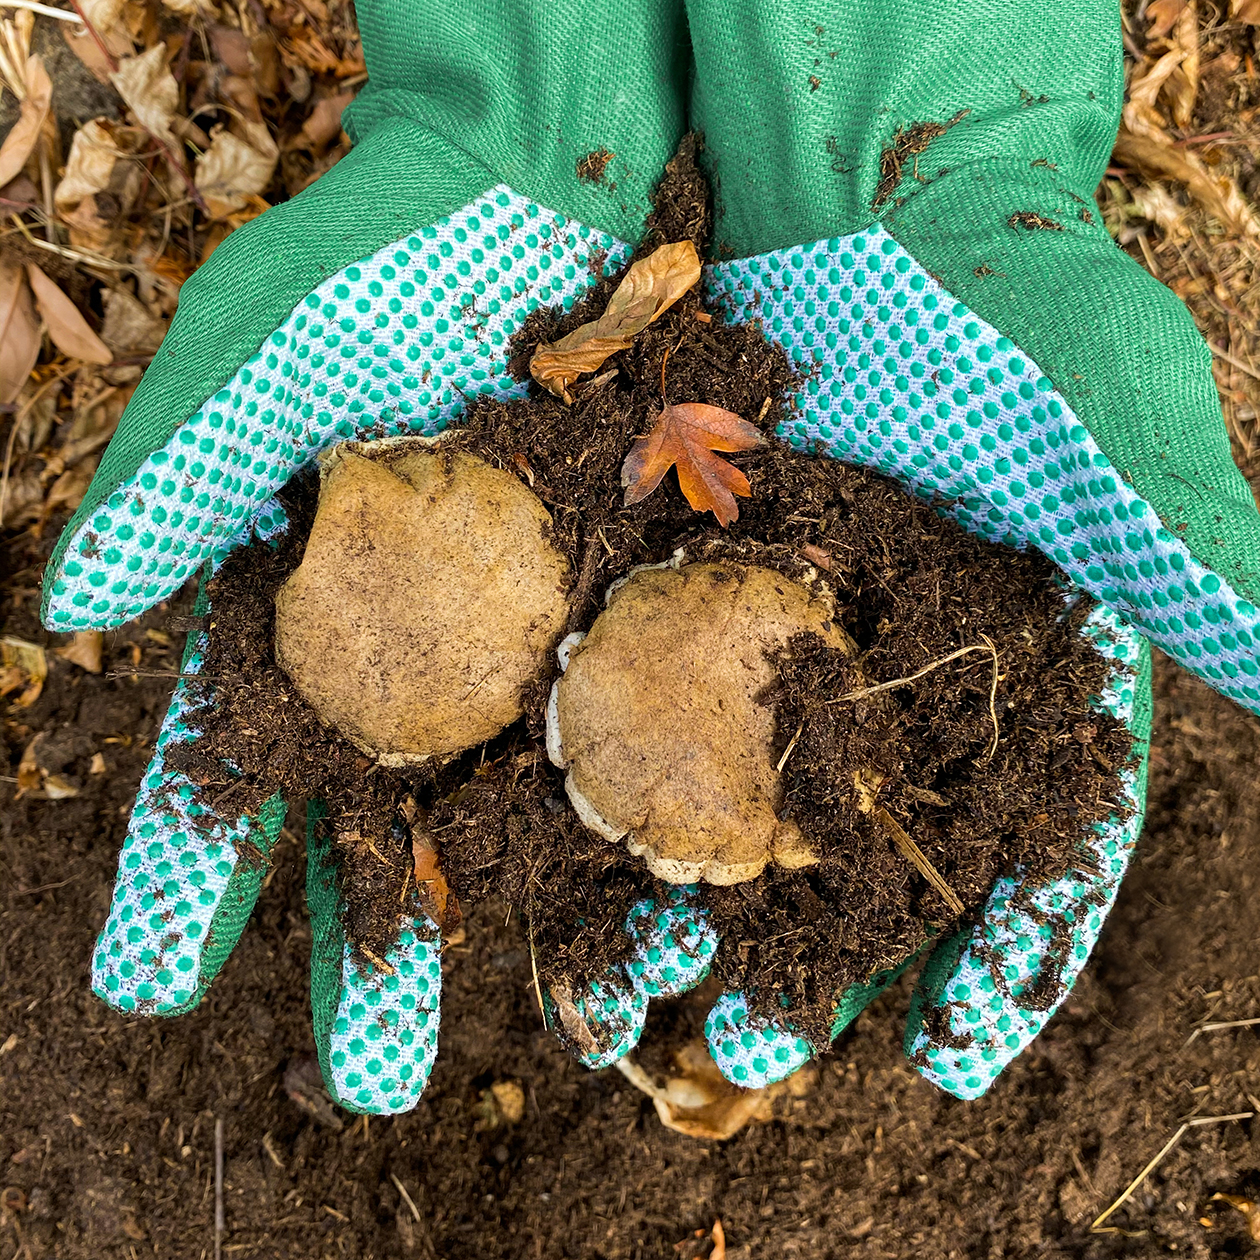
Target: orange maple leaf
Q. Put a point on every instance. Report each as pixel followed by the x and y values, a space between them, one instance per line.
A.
pixel 685 437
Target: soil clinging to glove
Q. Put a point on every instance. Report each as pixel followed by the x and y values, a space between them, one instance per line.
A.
pixel 909 588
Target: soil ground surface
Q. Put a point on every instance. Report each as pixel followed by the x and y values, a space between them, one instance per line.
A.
pixel 107 1124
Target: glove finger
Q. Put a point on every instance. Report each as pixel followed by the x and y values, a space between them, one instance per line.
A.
pixel 394 343
pixel 752 1051
pixel 375 1023
pixel 903 378
pixel 187 880
pixel 989 990
pixel 673 948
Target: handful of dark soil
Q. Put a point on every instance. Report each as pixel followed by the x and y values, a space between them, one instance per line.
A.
pixel 723 720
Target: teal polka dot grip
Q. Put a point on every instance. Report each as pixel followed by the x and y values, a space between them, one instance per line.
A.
pixel 673 951
pixel 384 1037
pixel 181 881
pixel 394 344
pixel 902 378
pixel 998 983
pixel 187 880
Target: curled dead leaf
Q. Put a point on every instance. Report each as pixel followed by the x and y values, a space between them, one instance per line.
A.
pixel 57 788
pixel 1217 194
pixel 29 776
pixel 32 116
pixel 685 437
pixel 19 330
pixel 1162 16
pixel 231 171
pixel 1245 11
pixel 151 93
pixel 431 885
pixel 22 665
pixel 90 165
pixel 65 324
pixel 647 291
pixel 84 650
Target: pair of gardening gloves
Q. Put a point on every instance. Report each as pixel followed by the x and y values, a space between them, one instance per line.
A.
pixel 961 321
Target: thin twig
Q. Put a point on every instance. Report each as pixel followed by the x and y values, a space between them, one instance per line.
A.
pixel 415 1211
pixel 218 1188
pixel 533 962
pixel 377 961
pixel 1097 1226
pixel 75 255
pixel 987 646
pixel 1229 358
pixel 45 10
pixel 1229 1023
pixel 43 888
pixel 997 730
pixel 110 59
pixel 919 859
pixel 787 752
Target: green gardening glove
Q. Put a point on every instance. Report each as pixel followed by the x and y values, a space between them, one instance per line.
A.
pixel 376 303
pixel 966 325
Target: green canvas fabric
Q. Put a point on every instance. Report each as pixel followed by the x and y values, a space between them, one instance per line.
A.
pixel 799 101
pixel 463 97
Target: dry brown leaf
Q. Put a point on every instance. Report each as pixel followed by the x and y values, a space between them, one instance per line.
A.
pixel 151 93
pixel 1247 11
pixel 303 47
pixel 22 665
pixel 1162 16
pixel 1140 113
pixel 32 116
pixel 1183 85
pixel 648 290
pixel 231 171
pixel 1249 1209
pixel 574 1031
pixel 129 327
pixel 1153 201
pixel 323 124
pixel 435 893
pixel 19 330
pixel 718 1234
pixel 30 778
pixel 65 323
pixel 90 165
pixel 104 16
pixel 699 1101
pixel 57 788
pixel 685 436
pixel 84 650
pixel 192 8
pixel 1217 194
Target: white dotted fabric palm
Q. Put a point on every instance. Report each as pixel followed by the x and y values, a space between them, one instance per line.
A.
pixel 395 344
pixel 904 379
